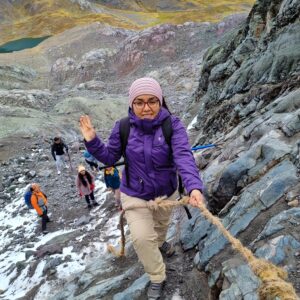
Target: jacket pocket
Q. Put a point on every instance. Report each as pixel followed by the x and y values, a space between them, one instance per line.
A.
pixel 135 183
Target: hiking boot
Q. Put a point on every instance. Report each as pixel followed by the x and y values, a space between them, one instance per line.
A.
pixel 155 290
pixel 166 249
pixel 45 232
pixel 89 206
pixel 58 172
pixel 96 204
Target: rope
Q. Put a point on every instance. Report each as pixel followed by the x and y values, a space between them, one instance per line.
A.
pixel 273 278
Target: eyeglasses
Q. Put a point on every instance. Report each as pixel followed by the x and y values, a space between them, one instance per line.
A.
pixel 141 104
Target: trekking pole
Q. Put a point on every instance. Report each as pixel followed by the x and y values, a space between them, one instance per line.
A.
pixel 71 168
pixel 121 163
pixel 203 147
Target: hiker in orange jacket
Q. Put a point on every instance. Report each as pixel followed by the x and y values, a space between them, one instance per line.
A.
pixel 39 202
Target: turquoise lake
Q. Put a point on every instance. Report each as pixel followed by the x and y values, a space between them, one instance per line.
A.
pixel 21 44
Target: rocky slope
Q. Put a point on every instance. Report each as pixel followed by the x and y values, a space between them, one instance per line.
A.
pixel 47 88
pixel 248 103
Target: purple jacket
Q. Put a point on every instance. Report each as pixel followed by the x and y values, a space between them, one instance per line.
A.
pixel 151 172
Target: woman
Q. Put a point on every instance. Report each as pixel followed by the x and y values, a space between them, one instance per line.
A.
pixel 39 202
pixel 85 185
pixel 152 168
pixel 112 181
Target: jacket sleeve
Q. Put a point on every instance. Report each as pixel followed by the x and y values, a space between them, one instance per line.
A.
pixel 110 153
pixel 52 152
pixel 65 146
pixel 34 203
pixel 183 157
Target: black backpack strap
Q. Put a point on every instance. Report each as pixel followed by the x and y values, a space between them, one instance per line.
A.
pixel 167 130
pixel 124 130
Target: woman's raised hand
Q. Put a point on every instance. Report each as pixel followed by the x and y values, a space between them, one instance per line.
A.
pixel 87 129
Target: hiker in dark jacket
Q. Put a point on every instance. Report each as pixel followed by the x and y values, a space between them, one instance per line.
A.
pixel 39 202
pixel 151 172
pixel 85 185
pixel 57 151
pixel 112 181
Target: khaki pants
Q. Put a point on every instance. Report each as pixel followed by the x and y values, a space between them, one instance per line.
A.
pixel 148 230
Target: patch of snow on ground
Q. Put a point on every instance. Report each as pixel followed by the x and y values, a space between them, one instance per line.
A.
pixel 191 125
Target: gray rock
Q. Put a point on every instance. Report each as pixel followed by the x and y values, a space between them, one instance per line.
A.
pixel 45 173
pixel 85 219
pixel 212 279
pixel 243 284
pixel 135 290
pixel 279 222
pixel 85 280
pixel 48 250
pixel 193 230
pixel 280 250
pixel 31 174
pixel 29 253
pixel 44 157
pixel 20 265
pixel 255 199
pixel 51 264
pixel 104 286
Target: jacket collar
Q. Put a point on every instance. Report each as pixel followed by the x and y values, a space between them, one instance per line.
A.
pixel 146 125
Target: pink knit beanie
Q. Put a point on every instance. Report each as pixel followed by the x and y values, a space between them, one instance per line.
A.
pixel 147 86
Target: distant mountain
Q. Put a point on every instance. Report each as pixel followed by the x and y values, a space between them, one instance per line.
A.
pixel 26 18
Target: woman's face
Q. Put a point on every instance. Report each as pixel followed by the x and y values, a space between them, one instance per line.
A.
pixel 82 172
pixel 146 106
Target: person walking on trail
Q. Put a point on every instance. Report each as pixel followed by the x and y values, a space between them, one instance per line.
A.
pixel 91 161
pixel 150 171
pixel 57 151
pixel 39 202
pixel 85 185
pixel 112 181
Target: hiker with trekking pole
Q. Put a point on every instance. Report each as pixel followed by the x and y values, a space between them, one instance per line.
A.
pixel 155 147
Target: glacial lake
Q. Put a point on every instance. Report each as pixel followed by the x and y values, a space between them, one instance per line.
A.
pixel 21 44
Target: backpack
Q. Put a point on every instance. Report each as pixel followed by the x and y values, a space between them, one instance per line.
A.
pixel 167 130
pixel 27 199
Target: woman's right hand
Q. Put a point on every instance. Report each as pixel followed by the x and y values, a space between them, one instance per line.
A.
pixel 87 129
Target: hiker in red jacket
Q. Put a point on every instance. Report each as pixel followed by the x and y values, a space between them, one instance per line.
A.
pixel 150 171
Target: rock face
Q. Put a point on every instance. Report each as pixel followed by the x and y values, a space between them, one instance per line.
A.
pixel 249 94
pixel 248 104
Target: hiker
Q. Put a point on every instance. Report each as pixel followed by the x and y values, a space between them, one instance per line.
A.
pixel 39 202
pixel 112 181
pixel 152 162
pixel 91 161
pixel 85 185
pixel 57 151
